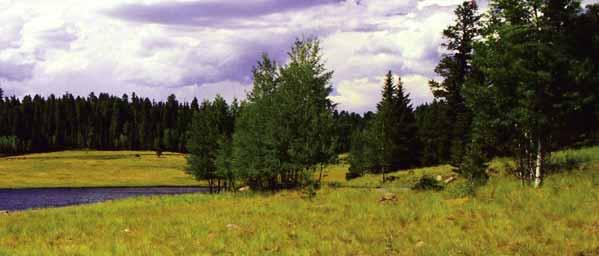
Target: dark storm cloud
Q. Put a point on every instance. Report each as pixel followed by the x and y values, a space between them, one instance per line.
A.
pixel 208 13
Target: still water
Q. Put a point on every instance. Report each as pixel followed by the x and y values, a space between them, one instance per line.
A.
pixel 23 199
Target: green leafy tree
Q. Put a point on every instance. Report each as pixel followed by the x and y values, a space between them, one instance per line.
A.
pixel 284 132
pixel 224 162
pixel 528 84
pixel 210 124
pixel 255 152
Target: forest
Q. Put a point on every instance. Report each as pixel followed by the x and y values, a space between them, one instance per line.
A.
pixel 520 80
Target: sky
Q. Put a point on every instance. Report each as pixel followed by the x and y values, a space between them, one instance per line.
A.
pixel 201 48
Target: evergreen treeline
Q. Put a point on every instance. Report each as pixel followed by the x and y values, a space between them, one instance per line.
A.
pixel 36 124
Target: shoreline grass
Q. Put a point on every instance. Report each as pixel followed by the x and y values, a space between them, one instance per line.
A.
pixel 94 169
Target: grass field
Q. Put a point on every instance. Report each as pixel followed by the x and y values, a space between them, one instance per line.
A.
pixel 94 169
pixel 504 218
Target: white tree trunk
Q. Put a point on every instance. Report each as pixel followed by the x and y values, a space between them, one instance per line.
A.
pixel 539 164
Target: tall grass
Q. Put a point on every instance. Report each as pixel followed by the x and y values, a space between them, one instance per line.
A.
pixel 505 218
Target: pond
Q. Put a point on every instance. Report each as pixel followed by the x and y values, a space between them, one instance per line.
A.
pixel 23 199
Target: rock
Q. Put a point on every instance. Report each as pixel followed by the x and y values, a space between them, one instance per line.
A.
pixel 388 197
pixel 244 189
pixel 450 179
pixel 232 226
pixel 419 244
pixel 439 178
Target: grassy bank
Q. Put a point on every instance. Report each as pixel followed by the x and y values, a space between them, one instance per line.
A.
pixel 94 169
pixel 504 218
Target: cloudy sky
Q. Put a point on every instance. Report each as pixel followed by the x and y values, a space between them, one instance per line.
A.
pixel 200 48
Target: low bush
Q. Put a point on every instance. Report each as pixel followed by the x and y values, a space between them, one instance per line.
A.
pixel 427 182
pixel 567 161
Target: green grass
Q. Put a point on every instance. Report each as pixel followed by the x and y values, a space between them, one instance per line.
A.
pixel 504 218
pixel 94 169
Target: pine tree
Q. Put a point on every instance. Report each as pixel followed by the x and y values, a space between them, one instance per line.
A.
pixel 390 142
pixel 406 136
pixel 455 67
pixel 385 126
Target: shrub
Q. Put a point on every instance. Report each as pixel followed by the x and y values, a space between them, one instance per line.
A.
pixel 334 184
pixel 566 161
pixel 352 175
pixel 427 182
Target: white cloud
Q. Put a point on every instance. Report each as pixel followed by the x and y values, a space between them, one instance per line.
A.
pixel 363 94
pixel 53 46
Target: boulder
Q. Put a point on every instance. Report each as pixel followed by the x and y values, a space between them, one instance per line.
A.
pixel 388 197
pixel 450 179
pixel 232 226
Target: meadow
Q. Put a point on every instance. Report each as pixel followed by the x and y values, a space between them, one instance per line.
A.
pixel 94 169
pixel 344 218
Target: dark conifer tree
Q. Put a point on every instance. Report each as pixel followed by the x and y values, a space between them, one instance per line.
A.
pixel 390 141
pixel 432 133
pixel 455 67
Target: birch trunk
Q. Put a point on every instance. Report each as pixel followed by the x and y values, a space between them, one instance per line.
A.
pixel 539 164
